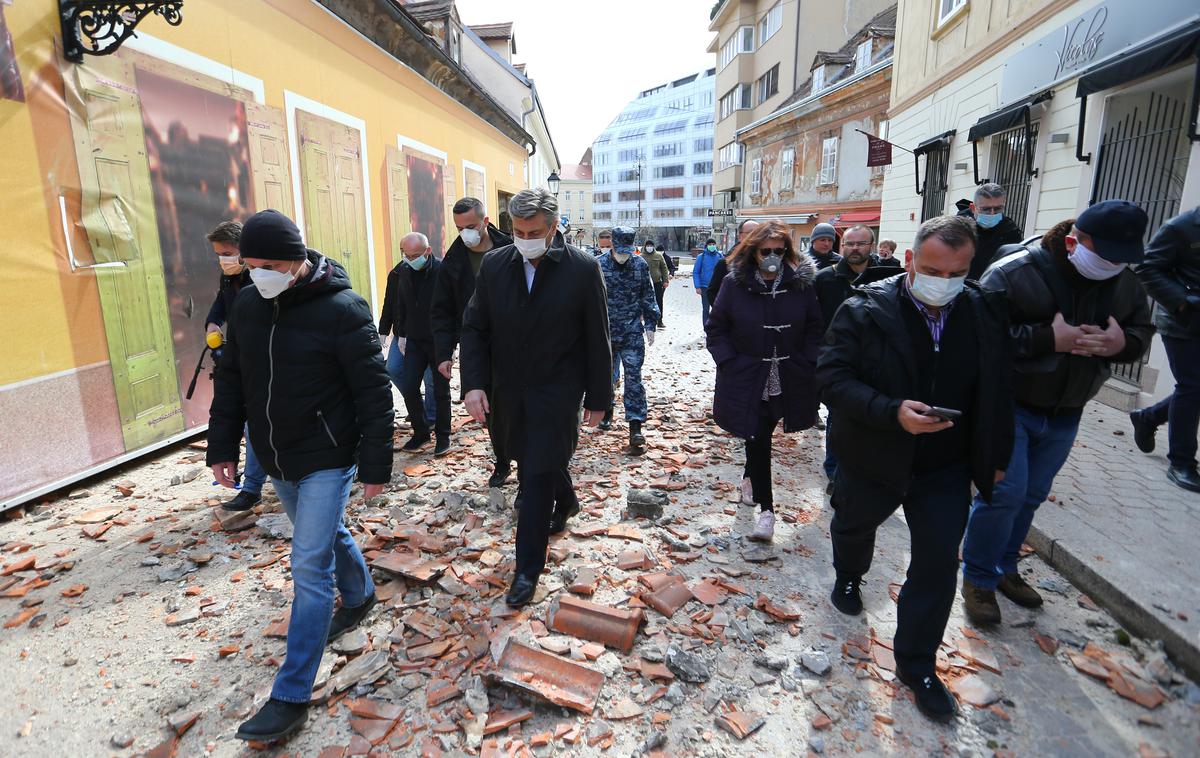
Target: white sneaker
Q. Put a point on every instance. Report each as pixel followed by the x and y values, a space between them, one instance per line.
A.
pixel 765 531
pixel 747 492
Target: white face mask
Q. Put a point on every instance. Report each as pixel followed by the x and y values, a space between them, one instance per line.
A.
pixel 649 248
pixel 271 284
pixel 1092 266
pixel 230 264
pixel 620 257
pixel 470 237
pixel 531 249
pixel 935 290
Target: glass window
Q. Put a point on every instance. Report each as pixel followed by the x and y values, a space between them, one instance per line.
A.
pixel 702 190
pixel 787 167
pixel 729 155
pixel 668 193
pixel 601 197
pixel 704 120
pixel 671 127
pixel 703 145
pixel 581 214
pixel 770 23
pixel 818 79
pixel 702 168
pixel 629 195
pixel 755 176
pixel 741 41
pixel 946 9
pixel 862 56
pixel 668 212
pixel 768 84
pixel 666 172
pixel 629 175
pixel 829 153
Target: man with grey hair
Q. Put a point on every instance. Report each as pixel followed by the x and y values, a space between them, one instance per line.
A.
pixel 535 346
pixel 993 229
pixel 477 237
pixel 406 309
pixel 916 365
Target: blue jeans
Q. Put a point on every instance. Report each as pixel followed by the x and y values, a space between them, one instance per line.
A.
pixel 395 369
pixel 253 476
pixel 1180 411
pixel 324 555
pixel 704 306
pixel 995 531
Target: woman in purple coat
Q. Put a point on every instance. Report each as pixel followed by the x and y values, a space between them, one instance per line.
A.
pixel 764 333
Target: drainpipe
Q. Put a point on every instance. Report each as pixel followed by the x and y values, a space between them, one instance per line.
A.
pixel 796 53
pixel 533 146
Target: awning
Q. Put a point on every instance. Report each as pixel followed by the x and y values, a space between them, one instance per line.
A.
pixel 934 143
pixel 854 218
pixel 1145 59
pixel 1007 117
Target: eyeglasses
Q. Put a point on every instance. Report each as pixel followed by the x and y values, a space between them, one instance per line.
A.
pixel 990 209
pixel 847 243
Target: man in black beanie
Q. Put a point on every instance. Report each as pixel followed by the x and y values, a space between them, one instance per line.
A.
pixel 303 365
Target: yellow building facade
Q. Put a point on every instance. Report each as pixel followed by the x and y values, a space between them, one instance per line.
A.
pixel 118 165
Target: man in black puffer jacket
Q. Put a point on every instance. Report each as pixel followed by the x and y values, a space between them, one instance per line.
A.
pixel 1075 309
pixel 994 229
pixel 303 365
pixel 896 352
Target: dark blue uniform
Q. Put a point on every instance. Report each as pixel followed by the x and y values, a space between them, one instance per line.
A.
pixel 632 310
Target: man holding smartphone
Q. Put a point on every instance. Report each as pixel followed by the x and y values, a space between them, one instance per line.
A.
pixel 1075 309
pixel 916 364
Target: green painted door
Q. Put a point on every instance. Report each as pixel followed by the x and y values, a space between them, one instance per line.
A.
pixel 316 182
pixel 118 215
pixel 397 191
pixel 352 207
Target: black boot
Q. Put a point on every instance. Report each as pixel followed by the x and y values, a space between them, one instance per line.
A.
pixel 846 596
pixel 932 697
pixel 243 501
pixel 563 512
pixel 1143 432
pixel 443 446
pixel 521 591
pixel 274 721
pixel 1186 477
pixel 500 475
pixel 346 619
pixel 606 422
pixel 636 438
pixel 418 441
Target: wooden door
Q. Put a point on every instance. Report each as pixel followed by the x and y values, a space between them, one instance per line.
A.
pixel 118 216
pixel 352 248
pixel 316 182
pixel 267 131
pixel 396 171
pixel 451 196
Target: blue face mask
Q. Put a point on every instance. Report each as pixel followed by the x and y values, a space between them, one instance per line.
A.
pixel 988 220
pixel 417 263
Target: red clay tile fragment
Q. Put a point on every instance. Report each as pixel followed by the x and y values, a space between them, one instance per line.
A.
pixel 96 515
pixel 555 679
pixel 498 721
pixel 371 708
pixel 440 691
pixel 591 621
pixel 374 731
pixel 623 709
pixel 978 652
pixel 74 590
pixel 1048 644
pixel 709 593
pixel 1087 665
pixel 585 582
pixel 741 724
pixel 669 599
pixel 410 565
pixel 21 617
pixel 974 690
pixel 23 564
pixel 778 611
pixel 625 532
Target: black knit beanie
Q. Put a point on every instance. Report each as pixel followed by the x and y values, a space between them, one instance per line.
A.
pixel 272 236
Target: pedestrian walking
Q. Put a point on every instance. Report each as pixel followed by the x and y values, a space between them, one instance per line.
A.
pixel 660 275
pixel 477 237
pixel 702 273
pixel 603 242
pixel 722 268
pixel 764 334
pixel 234 278
pixel 993 229
pixel 887 253
pixel 632 312
pixel 534 348
pixel 1171 275
pixel 1075 309
pixel 821 246
pixel 303 366
pixel 406 315
pixel 833 285
pixel 396 364
pixel 916 365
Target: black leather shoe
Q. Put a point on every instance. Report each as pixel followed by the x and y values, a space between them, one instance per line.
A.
pixel 521 591
pixel 636 438
pixel 1188 478
pixel 418 441
pixel 606 422
pixel 558 521
pixel 274 721
pixel 242 501
pixel 345 619
pixel 846 596
pixel 932 697
pixel 443 446
pixel 1143 433
pixel 500 475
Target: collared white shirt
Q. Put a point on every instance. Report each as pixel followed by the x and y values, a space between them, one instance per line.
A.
pixel 530 270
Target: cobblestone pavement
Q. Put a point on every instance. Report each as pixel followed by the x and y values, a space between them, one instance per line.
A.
pixel 1122 526
pixel 152 626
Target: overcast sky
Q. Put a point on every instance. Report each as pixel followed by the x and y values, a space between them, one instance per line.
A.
pixel 588 58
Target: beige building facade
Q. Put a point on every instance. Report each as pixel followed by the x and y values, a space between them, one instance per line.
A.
pixel 1065 103
pixel 575 201
pixel 763 50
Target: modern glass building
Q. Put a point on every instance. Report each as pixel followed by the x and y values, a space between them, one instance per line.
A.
pixel 652 166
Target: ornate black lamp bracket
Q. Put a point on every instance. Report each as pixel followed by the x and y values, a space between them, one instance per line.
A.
pixel 98 27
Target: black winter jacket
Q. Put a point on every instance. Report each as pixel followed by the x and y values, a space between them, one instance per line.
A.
pixel 989 240
pixel 227 291
pixel 1171 273
pixel 456 284
pixel 835 283
pixel 407 301
pixel 306 371
pixel 868 367
pixel 1038 285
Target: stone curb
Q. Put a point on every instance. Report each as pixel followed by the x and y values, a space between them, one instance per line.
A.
pixel 1137 617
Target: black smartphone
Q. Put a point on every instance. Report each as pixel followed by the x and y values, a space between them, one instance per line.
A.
pixel 945 414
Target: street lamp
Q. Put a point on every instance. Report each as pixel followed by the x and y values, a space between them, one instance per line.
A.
pixel 553 180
